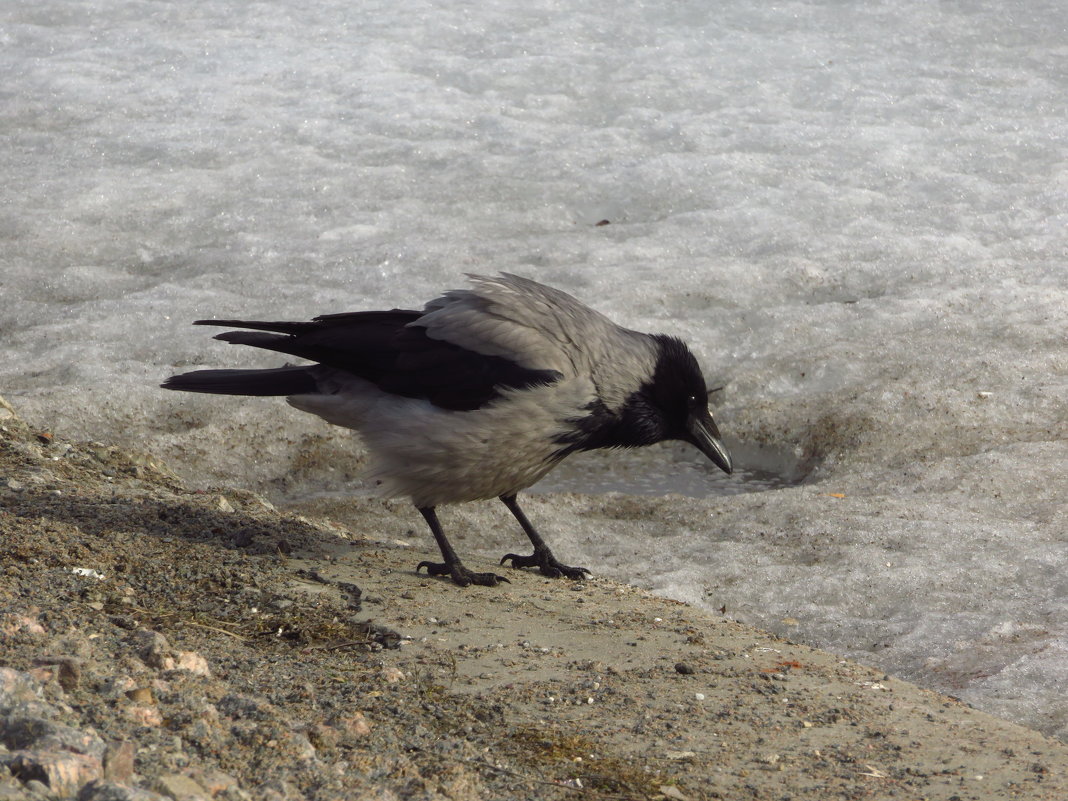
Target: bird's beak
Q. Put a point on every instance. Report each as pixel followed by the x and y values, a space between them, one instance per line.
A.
pixel 705 436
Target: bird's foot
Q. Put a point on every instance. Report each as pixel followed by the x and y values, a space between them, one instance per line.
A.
pixel 547 565
pixel 460 574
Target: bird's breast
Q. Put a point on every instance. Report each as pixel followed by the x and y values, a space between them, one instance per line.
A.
pixel 437 456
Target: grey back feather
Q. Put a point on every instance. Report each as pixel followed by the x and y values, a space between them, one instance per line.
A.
pixel 542 328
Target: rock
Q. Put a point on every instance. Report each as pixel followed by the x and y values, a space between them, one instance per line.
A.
pixel 180 788
pixel 7 411
pixel 101 790
pixel 247 707
pixel 277 790
pixel 13 791
pixel 215 781
pixel 119 762
pixel 144 715
pixel 21 623
pixel 152 648
pixel 68 669
pixel 39 734
pixel 302 745
pixel 242 538
pixel 115 687
pixel 141 695
pixel 62 772
pixel 17 689
pixel 354 593
pixel 355 725
pixel 671 791
pixel 192 662
pixel 392 674
pixel 324 737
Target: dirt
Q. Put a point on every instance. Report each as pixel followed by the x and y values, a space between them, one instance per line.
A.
pixel 157 641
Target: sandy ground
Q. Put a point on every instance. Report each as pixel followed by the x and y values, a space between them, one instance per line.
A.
pixel 163 642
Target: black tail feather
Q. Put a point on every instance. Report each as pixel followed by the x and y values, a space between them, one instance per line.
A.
pixel 277 381
pixel 386 348
pixel 254 338
pixel 279 327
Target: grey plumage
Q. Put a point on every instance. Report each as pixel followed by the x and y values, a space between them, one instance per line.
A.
pixel 479 395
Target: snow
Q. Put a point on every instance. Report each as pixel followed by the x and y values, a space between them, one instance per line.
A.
pixel 855 213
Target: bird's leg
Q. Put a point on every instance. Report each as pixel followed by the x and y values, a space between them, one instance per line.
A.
pixel 452 566
pixel 542 558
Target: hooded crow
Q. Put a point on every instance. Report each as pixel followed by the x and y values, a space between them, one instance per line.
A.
pixel 479 395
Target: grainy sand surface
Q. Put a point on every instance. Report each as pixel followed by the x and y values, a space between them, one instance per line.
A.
pixel 158 641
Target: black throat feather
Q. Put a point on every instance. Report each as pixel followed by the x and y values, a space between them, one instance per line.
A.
pixel 658 410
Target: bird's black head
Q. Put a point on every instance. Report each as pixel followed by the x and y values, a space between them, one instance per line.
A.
pixel 674 405
pixel 671 404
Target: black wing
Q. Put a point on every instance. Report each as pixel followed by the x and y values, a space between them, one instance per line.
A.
pixel 380 347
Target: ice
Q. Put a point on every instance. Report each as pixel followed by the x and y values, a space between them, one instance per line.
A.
pixel 855 212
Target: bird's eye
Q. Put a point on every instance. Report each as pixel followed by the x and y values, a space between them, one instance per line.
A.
pixel 691 400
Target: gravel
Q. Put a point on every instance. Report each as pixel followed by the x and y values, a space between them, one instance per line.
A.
pixel 165 643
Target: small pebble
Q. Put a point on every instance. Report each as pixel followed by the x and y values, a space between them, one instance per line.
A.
pixel 140 695
pixel 392 674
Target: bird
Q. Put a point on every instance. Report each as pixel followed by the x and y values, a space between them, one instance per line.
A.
pixel 478 396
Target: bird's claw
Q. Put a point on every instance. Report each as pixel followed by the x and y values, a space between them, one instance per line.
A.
pixel 461 575
pixel 547 565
